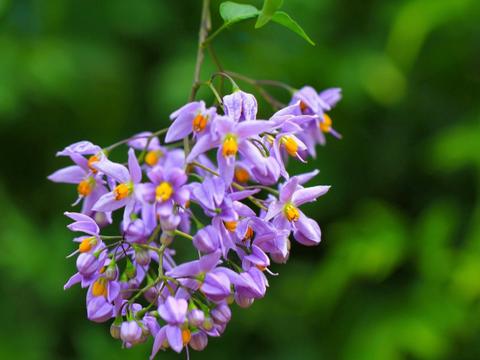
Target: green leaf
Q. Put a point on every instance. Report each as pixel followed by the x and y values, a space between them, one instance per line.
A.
pixel 268 10
pixel 282 18
pixel 232 12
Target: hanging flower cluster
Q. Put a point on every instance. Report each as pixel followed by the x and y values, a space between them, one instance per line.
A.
pixel 230 198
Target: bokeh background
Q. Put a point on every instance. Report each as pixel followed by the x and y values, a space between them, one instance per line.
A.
pixel 397 275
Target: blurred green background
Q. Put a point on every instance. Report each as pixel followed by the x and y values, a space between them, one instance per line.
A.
pixel 397 275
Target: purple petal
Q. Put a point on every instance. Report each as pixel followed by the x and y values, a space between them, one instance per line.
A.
pixel 250 128
pixel 180 128
pixel 114 170
pixel 202 145
pixel 70 175
pixel 174 336
pixel 134 167
pixel 288 189
pixel 108 203
pixel 305 195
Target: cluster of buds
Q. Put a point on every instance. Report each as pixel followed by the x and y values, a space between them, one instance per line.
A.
pixel 218 181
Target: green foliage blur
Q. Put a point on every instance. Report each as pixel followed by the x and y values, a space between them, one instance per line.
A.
pixel 397 275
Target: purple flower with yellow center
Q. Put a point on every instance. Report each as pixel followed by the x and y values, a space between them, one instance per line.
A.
pixel 166 189
pixel 192 117
pixel 286 214
pixel 154 152
pixel 123 195
pixel 308 102
pixel 287 144
pixel 230 138
pixel 89 183
pixel 175 334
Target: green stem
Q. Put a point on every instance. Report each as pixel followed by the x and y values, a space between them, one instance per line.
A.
pixel 182 234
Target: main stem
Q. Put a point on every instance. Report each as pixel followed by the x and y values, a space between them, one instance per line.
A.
pixel 205 25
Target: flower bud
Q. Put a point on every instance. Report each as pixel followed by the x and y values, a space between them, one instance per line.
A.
pixel 115 331
pixel 206 240
pixel 151 294
pixel 196 317
pixel 111 273
pixel 221 314
pixel 243 301
pixel 87 264
pixel 142 256
pixel 208 323
pixel 135 231
pixel 271 174
pixel 166 238
pixel 198 341
pixel 131 332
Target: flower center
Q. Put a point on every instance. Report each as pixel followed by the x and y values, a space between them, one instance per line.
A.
pixel 87 244
pixel 92 160
pixel 121 191
pixel 326 124
pixel 290 145
pixel 291 212
pixel 152 157
pixel 85 187
pixel 230 225
pixel 303 107
pixel 99 287
pixel 241 175
pixel 186 336
pixel 199 123
pixel 230 146
pixel 248 234
pixel 164 191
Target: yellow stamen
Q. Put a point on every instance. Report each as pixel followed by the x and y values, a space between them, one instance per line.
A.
pixel 326 124
pixel 241 175
pixel 186 336
pixel 87 244
pixel 92 160
pixel 249 234
pixel 290 145
pixel 261 268
pixel 85 187
pixel 291 212
pixel 303 107
pixel 231 225
pixel 199 123
pixel 152 157
pixel 164 191
pixel 230 146
pixel 121 191
pixel 99 287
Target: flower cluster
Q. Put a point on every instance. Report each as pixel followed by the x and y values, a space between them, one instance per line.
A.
pixel 224 191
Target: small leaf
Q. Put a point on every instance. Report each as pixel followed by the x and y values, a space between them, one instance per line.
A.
pixel 282 18
pixel 268 10
pixel 232 12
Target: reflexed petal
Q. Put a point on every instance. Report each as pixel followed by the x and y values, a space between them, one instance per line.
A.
pixel 250 128
pixel 273 210
pixel 114 170
pixel 288 189
pixel 202 145
pixel 108 203
pixel 309 194
pixel 180 128
pixel 70 175
pixel 174 336
pixel 134 167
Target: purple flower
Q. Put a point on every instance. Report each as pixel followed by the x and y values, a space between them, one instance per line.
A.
pixel 199 341
pixel 230 138
pixel 174 312
pixel 166 189
pixel 286 215
pixel 192 117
